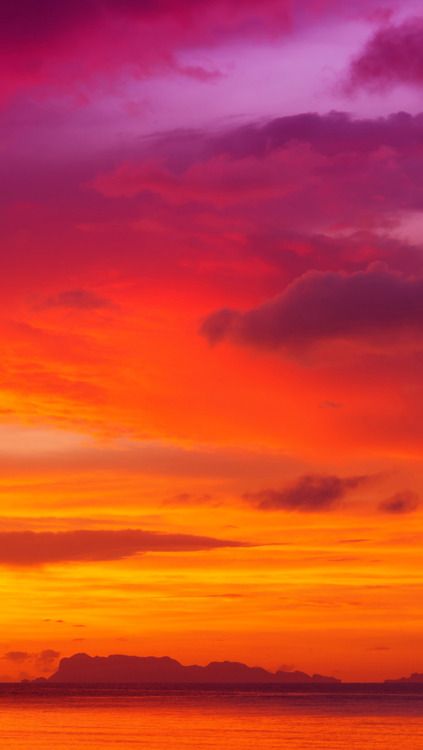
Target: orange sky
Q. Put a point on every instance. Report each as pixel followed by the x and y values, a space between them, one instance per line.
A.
pixel 210 314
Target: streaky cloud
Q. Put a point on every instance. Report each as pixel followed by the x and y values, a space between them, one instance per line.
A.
pixel 29 548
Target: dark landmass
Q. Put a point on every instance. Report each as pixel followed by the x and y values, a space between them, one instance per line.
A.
pixel 120 669
pixel 416 677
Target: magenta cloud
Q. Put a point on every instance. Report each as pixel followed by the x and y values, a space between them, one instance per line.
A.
pixel 321 306
pixel 331 133
pixel 302 174
pixel 59 45
pixel 84 45
pixel 394 55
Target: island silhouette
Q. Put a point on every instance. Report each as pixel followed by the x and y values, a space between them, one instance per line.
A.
pixel 119 668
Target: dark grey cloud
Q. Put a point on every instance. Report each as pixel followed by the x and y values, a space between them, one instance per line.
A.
pixel 79 299
pixel 406 501
pixel 310 493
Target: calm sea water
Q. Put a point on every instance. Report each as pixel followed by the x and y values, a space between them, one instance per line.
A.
pixel 200 719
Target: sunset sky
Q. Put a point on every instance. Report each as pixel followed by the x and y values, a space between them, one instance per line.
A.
pixel 211 314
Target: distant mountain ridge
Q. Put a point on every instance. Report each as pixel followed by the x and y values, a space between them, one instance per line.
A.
pixel 118 668
pixel 415 677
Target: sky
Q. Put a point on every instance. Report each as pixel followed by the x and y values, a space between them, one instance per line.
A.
pixel 211 316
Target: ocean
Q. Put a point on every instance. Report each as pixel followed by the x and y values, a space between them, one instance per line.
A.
pixel 210 717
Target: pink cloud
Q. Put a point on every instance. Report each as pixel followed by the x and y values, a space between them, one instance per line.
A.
pixel 308 172
pixel 61 45
pixel 219 181
pixel 394 55
pixel 91 45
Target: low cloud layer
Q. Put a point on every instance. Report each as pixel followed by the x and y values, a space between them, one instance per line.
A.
pixel 37 548
pixel 311 493
pixel 42 661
